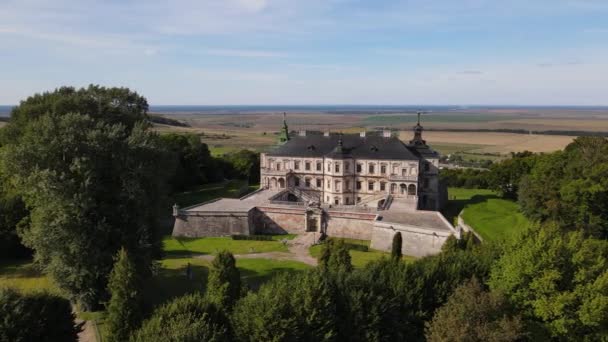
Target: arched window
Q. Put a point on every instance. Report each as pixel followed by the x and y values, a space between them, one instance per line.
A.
pixel 281 183
pixel 403 188
pixel 393 188
pixel 273 183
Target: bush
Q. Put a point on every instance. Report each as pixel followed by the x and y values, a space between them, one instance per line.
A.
pixel 224 281
pixel 186 319
pixel 35 317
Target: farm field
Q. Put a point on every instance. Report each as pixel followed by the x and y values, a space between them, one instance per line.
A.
pixel 494 218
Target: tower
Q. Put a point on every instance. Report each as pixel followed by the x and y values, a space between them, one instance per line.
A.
pixel 418 134
pixel 284 135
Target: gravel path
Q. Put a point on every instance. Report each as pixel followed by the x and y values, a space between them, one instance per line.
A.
pixel 298 251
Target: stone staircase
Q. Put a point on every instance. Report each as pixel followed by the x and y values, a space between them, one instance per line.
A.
pixel 305 195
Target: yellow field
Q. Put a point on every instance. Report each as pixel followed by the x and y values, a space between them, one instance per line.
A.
pixel 496 142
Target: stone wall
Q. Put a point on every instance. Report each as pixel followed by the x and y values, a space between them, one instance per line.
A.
pixel 274 220
pixel 201 224
pixel 350 225
pixel 417 242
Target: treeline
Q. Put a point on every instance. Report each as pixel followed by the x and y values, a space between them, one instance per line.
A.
pixel 569 187
pixel 82 175
pixel 525 131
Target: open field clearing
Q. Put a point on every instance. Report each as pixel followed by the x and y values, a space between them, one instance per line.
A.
pixel 489 142
pixel 359 258
pixel 494 218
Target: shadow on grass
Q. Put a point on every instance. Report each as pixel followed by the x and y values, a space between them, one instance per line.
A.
pixel 172 283
pixel 22 268
pixel 454 207
pixel 255 279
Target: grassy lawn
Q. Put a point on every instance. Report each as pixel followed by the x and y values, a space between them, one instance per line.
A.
pixel 359 258
pixel 211 245
pixel 494 218
pixel 207 192
pixel 24 276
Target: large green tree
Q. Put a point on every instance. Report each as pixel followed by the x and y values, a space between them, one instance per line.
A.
pixel 91 187
pixel 504 177
pixel 559 282
pixel 474 314
pixel 570 187
pixel 124 309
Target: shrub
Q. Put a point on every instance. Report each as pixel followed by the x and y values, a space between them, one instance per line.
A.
pixel 35 317
pixel 224 284
pixel 189 318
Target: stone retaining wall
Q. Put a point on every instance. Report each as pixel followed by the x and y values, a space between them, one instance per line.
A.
pixel 417 241
pixel 272 220
pixel 350 225
pixel 203 224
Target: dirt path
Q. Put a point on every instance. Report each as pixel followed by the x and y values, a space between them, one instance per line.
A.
pixel 298 251
pixel 87 334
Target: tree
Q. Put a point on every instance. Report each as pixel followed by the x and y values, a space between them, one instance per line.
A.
pixel 246 163
pixel 36 317
pixel 108 105
pixel 473 314
pixel 91 187
pixel 396 247
pixel 335 256
pixel 558 280
pixel 190 318
pixel 504 177
pixel 289 307
pixel 224 284
pixel 124 308
pixel 570 187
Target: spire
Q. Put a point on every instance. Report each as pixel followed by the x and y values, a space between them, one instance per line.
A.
pixel 418 133
pixel 284 136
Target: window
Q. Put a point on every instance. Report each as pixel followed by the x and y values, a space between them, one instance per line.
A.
pixel 307 182
pixel 346 167
pixel 319 183
pixel 358 185
pixel 395 169
pixel 328 184
pixel 382 186
pixel 307 166
pixel 358 199
pixel 336 200
pixel 337 167
pixel 359 168
pixel 296 164
pixel 338 183
pixel 347 185
pixel 297 181
pixel 347 200
pixel 328 167
pixel 319 167
pixel 383 169
pixel 278 166
pixel 370 186
pixel 372 169
pixel 327 198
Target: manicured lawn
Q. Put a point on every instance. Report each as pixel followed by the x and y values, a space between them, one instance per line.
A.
pixel 494 218
pixel 358 258
pixel 229 189
pixel 171 279
pixel 212 245
pixel 24 276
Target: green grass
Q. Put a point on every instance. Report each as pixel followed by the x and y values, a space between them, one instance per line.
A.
pixel 358 258
pixel 494 218
pixel 24 276
pixel 207 192
pixel 211 245
pixel 171 280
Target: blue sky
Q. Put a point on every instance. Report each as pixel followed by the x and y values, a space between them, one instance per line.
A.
pixel 538 52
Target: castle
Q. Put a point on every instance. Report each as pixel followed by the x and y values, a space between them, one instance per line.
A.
pixel 363 186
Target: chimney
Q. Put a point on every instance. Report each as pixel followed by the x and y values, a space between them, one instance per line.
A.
pixel 362 134
pixel 386 133
pixel 326 133
pixel 302 133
